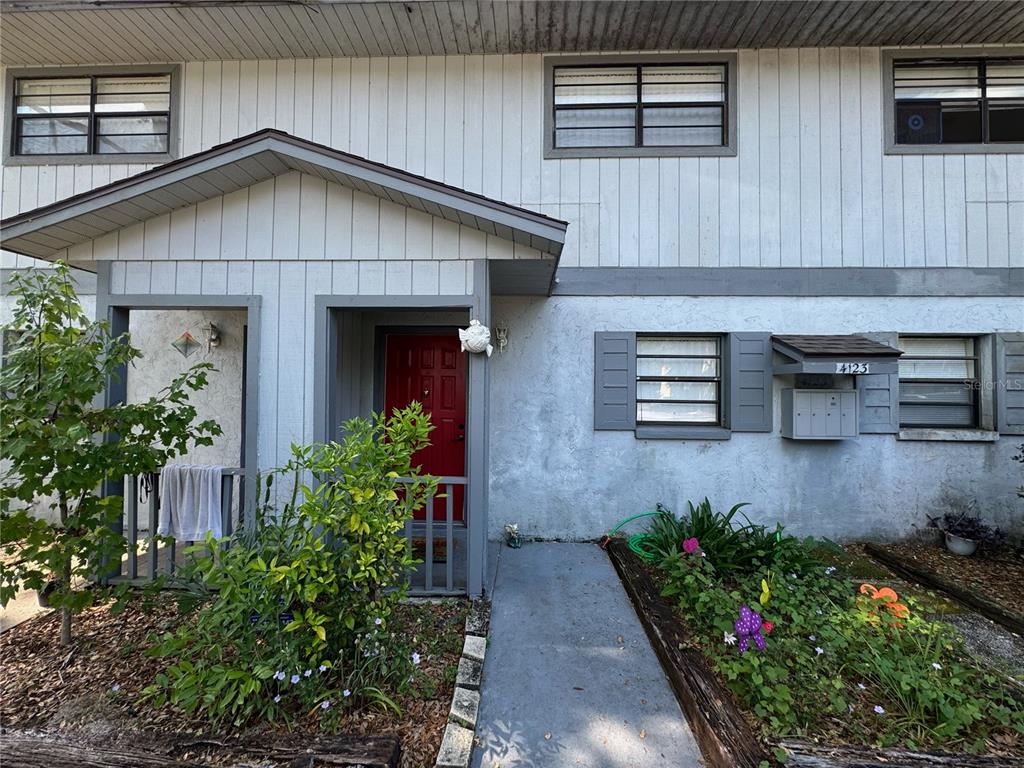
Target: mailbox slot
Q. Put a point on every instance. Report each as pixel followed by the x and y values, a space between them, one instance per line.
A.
pixel 819 414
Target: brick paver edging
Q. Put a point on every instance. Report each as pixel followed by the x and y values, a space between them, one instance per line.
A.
pixel 457 744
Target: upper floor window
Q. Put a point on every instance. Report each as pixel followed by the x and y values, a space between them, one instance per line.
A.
pixel 655 106
pixel 679 380
pixel 938 382
pixel 962 104
pixel 97 115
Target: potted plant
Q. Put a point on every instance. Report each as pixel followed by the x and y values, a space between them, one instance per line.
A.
pixel 965 531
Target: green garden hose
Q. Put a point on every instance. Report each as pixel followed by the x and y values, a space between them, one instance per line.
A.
pixel 637 541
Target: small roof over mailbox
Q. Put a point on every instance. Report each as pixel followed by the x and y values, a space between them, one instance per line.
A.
pixel 835 354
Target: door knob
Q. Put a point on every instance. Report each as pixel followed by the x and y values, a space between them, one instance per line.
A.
pixel 460 437
pixel 426 393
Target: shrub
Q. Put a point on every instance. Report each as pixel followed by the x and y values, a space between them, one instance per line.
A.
pixel 61 448
pixel 297 612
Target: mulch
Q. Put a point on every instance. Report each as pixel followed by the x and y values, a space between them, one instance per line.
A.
pixel 997 576
pixel 93 688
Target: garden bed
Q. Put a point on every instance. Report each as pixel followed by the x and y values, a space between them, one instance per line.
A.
pixel 93 689
pixel 992 585
pixel 773 652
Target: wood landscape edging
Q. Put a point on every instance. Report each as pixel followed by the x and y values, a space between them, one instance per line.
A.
pixel 723 734
pixel 997 613
pixel 30 749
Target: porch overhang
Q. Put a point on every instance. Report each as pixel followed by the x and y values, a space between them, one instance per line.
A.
pixel 46 232
pixel 39 32
pixel 833 354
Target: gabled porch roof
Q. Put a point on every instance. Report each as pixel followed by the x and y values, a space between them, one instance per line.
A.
pixel 48 230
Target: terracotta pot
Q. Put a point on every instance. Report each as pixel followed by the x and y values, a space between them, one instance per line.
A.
pixel 959 545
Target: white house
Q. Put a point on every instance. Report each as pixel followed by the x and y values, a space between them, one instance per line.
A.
pixel 756 251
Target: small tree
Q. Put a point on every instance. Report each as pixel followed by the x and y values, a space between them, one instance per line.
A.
pixel 59 445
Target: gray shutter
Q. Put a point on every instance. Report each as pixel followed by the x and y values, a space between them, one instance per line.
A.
pixel 1009 383
pixel 750 382
pixel 614 380
pixel 879 402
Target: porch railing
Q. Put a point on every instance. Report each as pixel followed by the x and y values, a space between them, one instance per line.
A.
pixel 147 557
pixel 439 539
pixel 440 544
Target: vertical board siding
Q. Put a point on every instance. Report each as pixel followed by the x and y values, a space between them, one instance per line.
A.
pixel 810 186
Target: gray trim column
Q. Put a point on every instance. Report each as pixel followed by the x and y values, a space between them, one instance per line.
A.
pixel 478 458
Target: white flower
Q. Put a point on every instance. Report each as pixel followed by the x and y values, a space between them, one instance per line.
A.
pixel 862 686
pixel 819 650
pixel 325 704
pixel 936 665
pixel 818 611
pixel 322 668
pixel 415 658
pixel 279 675
pixel 307 673
pixel 729 638
pixel 830 570
pixel 879 710
pixel 378 621
pixel 812 638
pixel 115 687
pixel 277 698
pixel 346 693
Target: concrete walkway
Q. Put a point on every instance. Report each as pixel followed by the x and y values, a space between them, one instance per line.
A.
pixel 570 678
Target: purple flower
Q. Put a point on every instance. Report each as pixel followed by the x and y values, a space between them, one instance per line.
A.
pixel 812 638
pixel 415 658
pixel 378 621
pixel 322 668
pixel 295 679
pixel 325 704
pixel 279 675
pixel 346 693
pixel 277 698
pixel 819 650
pixel 879 710
pixel 307 673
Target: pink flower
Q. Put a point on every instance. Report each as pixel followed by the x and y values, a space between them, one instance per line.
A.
pixel 690 546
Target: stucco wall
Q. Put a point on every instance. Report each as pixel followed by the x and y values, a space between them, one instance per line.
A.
pixel 557 477
pixel 152 331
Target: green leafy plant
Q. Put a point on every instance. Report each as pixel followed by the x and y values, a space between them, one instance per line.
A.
pixel 729 545
pixel 59 447
pixel 298 611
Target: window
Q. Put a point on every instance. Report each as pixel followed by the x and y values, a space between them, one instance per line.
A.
pixel 678 380
pixel 610 107
pixel 107 115
pixel 958 101
pixel 938 382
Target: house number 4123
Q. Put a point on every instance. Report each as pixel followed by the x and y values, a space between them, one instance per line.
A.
pixel 853 368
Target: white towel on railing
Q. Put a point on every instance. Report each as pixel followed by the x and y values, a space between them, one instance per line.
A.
pixel 190 499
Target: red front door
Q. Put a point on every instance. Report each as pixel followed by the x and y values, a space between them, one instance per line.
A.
pixel 432 369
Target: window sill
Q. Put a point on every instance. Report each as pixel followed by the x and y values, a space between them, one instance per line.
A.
pixel 112 159
pixel 559 153
pixel 948 435
pixel 682 433
pixel 1001 148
